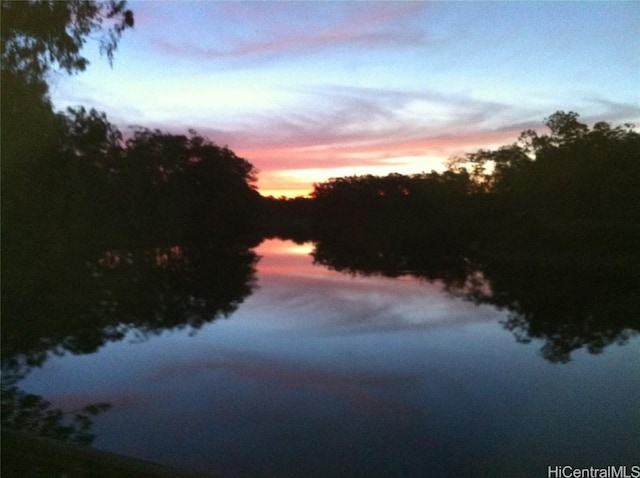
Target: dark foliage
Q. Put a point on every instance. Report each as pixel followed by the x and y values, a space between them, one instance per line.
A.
pixel 85 215
pixel 573 189
pixel 564 303
pixel 29 413
pixel 102 237
pixel 567 307
pixel 547 228
pixel 37 35
pixel 173 185
pixel 88 301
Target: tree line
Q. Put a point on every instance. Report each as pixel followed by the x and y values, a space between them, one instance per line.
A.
pixel 547 228
pixel 71 180
pixel 573 188
pixel 73 177
pixel 75 188
pixel 104 234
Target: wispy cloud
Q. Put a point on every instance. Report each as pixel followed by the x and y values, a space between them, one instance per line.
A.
pixel 367 126
pixel 285 29
pixel 309 90
pixel 337 126
pixel 347 305
pixel 620 111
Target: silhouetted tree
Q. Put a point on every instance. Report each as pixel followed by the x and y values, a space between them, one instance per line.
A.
pixel 287 218
pixel 547 228
pixel 37 36
pixel 565 307
pixel 436 211
pixel 81 301
pixel 26 412
pixel 43 186
pixel 177 187
pixel 87 217
pixel 573 188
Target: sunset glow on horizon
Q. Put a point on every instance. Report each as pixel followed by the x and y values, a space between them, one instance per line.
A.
pixel 306 91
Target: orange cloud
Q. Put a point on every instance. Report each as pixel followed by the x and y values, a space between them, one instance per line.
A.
pixel 291 170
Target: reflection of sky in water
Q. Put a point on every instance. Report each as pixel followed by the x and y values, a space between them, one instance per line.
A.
pixel 324 373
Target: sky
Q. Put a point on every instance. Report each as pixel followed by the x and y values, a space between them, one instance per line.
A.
pixel 311 90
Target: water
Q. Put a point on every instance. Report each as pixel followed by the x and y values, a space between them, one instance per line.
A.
pixel 319 373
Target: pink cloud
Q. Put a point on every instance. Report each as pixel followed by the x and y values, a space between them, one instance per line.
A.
pixel 336 127
pixel 309 28
pixel 279 163
pixel 339 126
pixel 365 391
pixel 292 156
pixel 75 401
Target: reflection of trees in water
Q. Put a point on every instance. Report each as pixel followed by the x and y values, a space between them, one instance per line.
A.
pixel 29 413
pixel 568 308
pixel 25 415
pixel 567 305
pixel 389 257
pixel 70 181
pixel 173 287
pixel 78 302
pixel 81 304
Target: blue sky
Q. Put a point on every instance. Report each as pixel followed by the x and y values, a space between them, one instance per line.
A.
pixel 317 89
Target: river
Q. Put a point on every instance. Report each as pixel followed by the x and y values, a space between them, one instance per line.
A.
pixel 321 373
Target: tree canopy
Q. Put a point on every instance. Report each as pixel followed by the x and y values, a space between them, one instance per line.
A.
pixel 573 173
pixel 70 175
pixel 570 189
pixel 38 35
pixel 72 186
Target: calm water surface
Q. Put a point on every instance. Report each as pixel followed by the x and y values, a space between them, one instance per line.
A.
pixel 324 374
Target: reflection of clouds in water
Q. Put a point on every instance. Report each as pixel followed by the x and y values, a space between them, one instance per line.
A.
pixel 255 366
pixel 338 304
pixel 256 383
pixel 335 369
